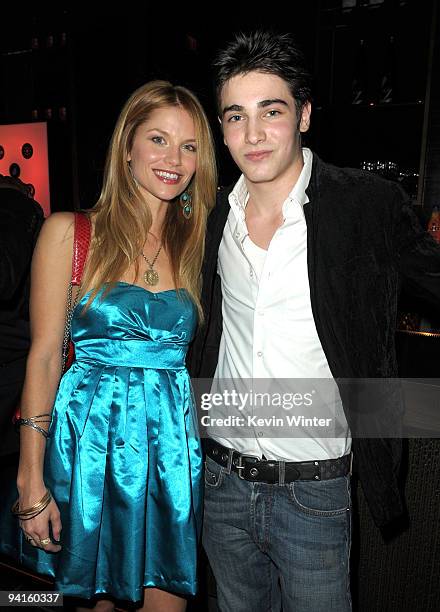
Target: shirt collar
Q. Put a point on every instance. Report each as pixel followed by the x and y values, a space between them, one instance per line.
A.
pixel 298 194
pixel 239 196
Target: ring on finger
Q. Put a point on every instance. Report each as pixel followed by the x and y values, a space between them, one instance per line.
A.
pixel 45 541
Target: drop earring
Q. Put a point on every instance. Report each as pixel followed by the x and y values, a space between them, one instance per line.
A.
pixel 186 204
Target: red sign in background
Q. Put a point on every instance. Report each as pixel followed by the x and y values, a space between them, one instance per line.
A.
pixel 25 144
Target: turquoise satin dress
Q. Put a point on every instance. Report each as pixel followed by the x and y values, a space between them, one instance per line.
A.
pixel 123 460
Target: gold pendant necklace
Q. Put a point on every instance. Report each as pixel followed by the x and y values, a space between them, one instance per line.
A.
pixel 151 277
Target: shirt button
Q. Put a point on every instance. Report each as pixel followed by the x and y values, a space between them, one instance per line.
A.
pixel 251 273
pixel 260 353
pixel 260 434
pixel 237 235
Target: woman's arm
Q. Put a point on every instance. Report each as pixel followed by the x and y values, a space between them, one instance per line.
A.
pixel 50 277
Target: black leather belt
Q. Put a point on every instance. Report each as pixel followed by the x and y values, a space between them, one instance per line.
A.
pixel 255 469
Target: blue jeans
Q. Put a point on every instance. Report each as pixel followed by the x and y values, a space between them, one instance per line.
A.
pixel 273 545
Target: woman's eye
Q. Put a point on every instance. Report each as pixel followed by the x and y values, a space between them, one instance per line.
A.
pixel 158 140
pixel 190 147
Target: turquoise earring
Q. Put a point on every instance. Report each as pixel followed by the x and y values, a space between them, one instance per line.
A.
pixel 186 204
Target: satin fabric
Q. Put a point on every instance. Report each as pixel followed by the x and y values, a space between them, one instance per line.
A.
pixel 123 460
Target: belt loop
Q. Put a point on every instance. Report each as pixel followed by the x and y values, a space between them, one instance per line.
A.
pixel 282 472
pixel 228 468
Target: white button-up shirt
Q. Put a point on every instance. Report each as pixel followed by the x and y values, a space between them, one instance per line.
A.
pixel 268 327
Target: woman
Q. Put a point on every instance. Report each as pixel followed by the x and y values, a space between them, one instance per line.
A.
pixel 123 459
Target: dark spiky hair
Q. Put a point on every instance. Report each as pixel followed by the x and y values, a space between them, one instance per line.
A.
pixel 268 52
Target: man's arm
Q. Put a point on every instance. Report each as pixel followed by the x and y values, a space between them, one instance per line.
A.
pixel 417 254
pixel 19 226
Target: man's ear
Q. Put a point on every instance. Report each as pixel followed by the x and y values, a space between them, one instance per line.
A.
pixel 221 127
pixel 305 117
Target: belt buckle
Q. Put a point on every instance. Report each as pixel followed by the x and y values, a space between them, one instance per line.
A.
pixel 239 465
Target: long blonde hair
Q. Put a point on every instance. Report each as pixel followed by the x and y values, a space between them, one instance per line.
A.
pixel 122 217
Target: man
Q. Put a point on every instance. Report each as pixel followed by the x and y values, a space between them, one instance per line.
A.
pixel 21 220
pixel 301 280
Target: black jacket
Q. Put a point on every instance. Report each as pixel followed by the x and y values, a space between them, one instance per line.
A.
pixel 20 222
pixel 362 236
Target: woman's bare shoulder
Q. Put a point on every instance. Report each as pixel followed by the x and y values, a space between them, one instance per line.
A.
pixel 59 226
pixel 61 218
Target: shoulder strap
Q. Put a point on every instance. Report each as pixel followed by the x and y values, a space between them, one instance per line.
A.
pixel 81 243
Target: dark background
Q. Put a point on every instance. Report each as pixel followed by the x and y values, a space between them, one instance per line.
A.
pixel 88 60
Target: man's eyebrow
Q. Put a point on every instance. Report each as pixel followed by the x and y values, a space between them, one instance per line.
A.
pixel 271 101
pixel 238 109
pixel 233 107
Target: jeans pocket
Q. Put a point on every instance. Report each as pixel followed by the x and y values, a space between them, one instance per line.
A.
pixel 214 473
pixel 323 498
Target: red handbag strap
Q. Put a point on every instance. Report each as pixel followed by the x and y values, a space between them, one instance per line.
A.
pixel 81 243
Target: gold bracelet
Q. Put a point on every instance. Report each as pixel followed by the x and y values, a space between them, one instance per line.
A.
pixel 32 511
pixel 16 509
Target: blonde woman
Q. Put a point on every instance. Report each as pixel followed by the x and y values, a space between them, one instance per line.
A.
pixel 122 461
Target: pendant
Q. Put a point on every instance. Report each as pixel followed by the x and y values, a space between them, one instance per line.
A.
pixel 151 277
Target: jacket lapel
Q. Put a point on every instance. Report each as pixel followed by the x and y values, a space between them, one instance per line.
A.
pixel 216 223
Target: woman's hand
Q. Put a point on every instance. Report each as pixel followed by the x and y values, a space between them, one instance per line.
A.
pixel 36 530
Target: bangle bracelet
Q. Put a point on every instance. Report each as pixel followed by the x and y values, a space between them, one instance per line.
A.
pixel 32 422
pixel 39 418
pixel 32 511
pixel 35 507
pixel 25 423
